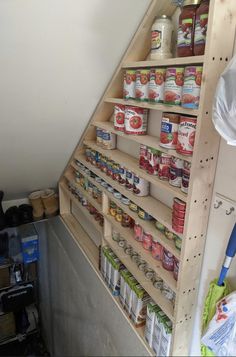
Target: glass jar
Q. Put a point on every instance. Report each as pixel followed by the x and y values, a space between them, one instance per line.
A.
pixel 187 18
pixel 201 28
pixel 162 30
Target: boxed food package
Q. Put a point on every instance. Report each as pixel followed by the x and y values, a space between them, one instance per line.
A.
pixel 157 333
pixel 152 308
pixel 165 337
pixel 140 299
pixel 130 284
pixel 110 256
pixel 115 276
pixel 7 326
pixel 103 261
pixel 124 275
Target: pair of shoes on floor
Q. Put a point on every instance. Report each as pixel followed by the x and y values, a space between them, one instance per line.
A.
pixel 45 204
pixel 15 216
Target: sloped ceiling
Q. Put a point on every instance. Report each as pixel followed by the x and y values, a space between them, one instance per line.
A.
pixel 57 57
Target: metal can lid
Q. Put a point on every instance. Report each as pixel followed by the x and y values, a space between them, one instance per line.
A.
pixel 191 2
pixel 165 17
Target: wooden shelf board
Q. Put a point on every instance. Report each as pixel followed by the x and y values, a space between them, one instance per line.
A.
pixel 165 62
pixel 147 140
pixel 94 202
pixel 132 163
pixel 158 106
pixel 154 207
pixel 137 246
pixel 86 244
pixel 18 337
pixel 154 293
pixel 84 209
pixel 148 226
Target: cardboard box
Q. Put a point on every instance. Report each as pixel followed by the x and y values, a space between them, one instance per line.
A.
pixel 7 326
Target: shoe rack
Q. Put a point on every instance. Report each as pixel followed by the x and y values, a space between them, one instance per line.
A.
pixel 219 49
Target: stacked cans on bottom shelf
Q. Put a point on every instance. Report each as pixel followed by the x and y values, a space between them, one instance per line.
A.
pixel 158 330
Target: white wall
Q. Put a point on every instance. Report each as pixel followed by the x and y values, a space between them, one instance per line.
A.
pixel 57 57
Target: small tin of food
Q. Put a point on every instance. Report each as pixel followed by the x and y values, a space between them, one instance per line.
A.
pixel 147 241
pixel 108 140
pixel 173 85
pixel 104 184
pixel 133 207
pixel 157 250
pixel 128 249
pixel 126 220
pixel 178 221
pixel 129 84
pixel 179 205
pixel 158 283
pixel 140 186
pixel 135 120
pixel 153 161
pixel 122 243
pixel 169 235
pixel 99 133
pixel 98 179
pixel 119 117
pixel 176 268
pixel 149 273
pixel 185 177
pixel 142 265
pixel 119 213
pixel 156 85
pixel 143 158
pixel 125 201
pixel 192 87
pixel 186 135
pixel 178 229
pixel 129 180
pixel 110 189
pixel 115 236
pixel 135 257
pixel 160 226
pixel 178 242
pixel 164 166
pixel 138 232
pixel 167 292
pixel 144 215
pixel 117 195
pixel 169 130
pixel 175 177
pixel 141 84
pixel 115 171
pixel 122 175
pixel 167 260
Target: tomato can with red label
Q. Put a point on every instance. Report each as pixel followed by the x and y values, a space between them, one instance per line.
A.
pixel 140 186
pixel 156 85
pixel 179 205
pixel 176 169
pixel 173 85
pixel 147 241
pixel 169 130
pixel 164 166
pixel 129 180
pixel 153 161
pixel 143 158
pixel 129 84
pixel 119 117
pixel 157 250
pixel 135 120
pixel 141 85
pixel 186 135
pixel 138 232
pixel 167 260
pixel 185 177
pixel 192 87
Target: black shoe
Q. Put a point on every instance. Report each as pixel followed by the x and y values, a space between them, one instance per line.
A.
pixel 2 216
pixel 12 217
pixel 26 213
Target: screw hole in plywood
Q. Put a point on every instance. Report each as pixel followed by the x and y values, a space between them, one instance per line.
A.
pixel 195 237
pixel 212 158
pixel 213 58
pixel 207 113
pixel 221 58
pixel 226 60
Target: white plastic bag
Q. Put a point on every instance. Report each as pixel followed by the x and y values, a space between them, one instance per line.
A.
pixel 220 336
pixel 224 106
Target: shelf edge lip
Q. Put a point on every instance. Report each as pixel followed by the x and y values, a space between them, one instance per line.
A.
pixel 165 62
pixel 158 106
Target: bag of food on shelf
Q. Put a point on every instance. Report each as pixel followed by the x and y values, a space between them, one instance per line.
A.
pixel 140 299
pixel 152 308
pixel 165 337
pixel 224 106
pixel 124 275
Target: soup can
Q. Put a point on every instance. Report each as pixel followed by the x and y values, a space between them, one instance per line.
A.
pixel 164 166
pixel 186 135
pixel 147 241
pixel 157 250
pixel 135 120
pixel 108 140
pixel 141 84
pixel 143 157
pixel 176 268
pixel 129 84
pixel 156 85
pixel 176 169
pixel 129 180
pixel 119 117
pixel 185 177
pixel 167 260
pixel 179 205
pixel 99 134
pixel 133 207
pixel 138 232
pixel 122 175
pixel 173 85
pixel 153 161
pixel 140 186
pixel 160 226
pixel 169 130
pixel 192 87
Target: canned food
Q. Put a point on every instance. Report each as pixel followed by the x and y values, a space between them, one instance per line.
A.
pixel 113 209
pixel 144 215
pixel 126 220
pixel 98 179
pixel 108 140
pixel 153 161
pixel 110 189
pixel 164 166
pixel 179 205
pixel 119 117
pixel 138 232
pixel 142 265
pixel 135 257
pixel 185 177
pixel 147 241
pixel 157 250
pixel 167 260
pixel 178 242
pixel 115 171
pixel 178 221
pixel 104 185
pixel 99 196
pixel 143 158
pixel 149 274
pixel 156 85
pixel 192 87
pixel 99 134
pixel 186 135
pixel 178 229
pixel 95 192
pixel 173 85
pixel 129 180
pixel 117 195
pixel 129 84
pixel 115 236
pixel 125 201
pixel 169 235
pixel 160 226
pixel 176 268
pixel 176 169
pixel 119 213
pixel 141 84
pixel 169 130
pixel 128 249
pixel 140 186
pixel 158 283
pixel 122 243
pixel 133 207
pixel 122 175
pixel 135 120
pixel 167 292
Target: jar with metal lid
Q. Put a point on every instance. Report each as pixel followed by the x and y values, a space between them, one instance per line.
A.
pixel 201 28
pixel 161 35
pixel 187 19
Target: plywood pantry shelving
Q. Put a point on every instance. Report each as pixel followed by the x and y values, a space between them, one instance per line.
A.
pixel 217 54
